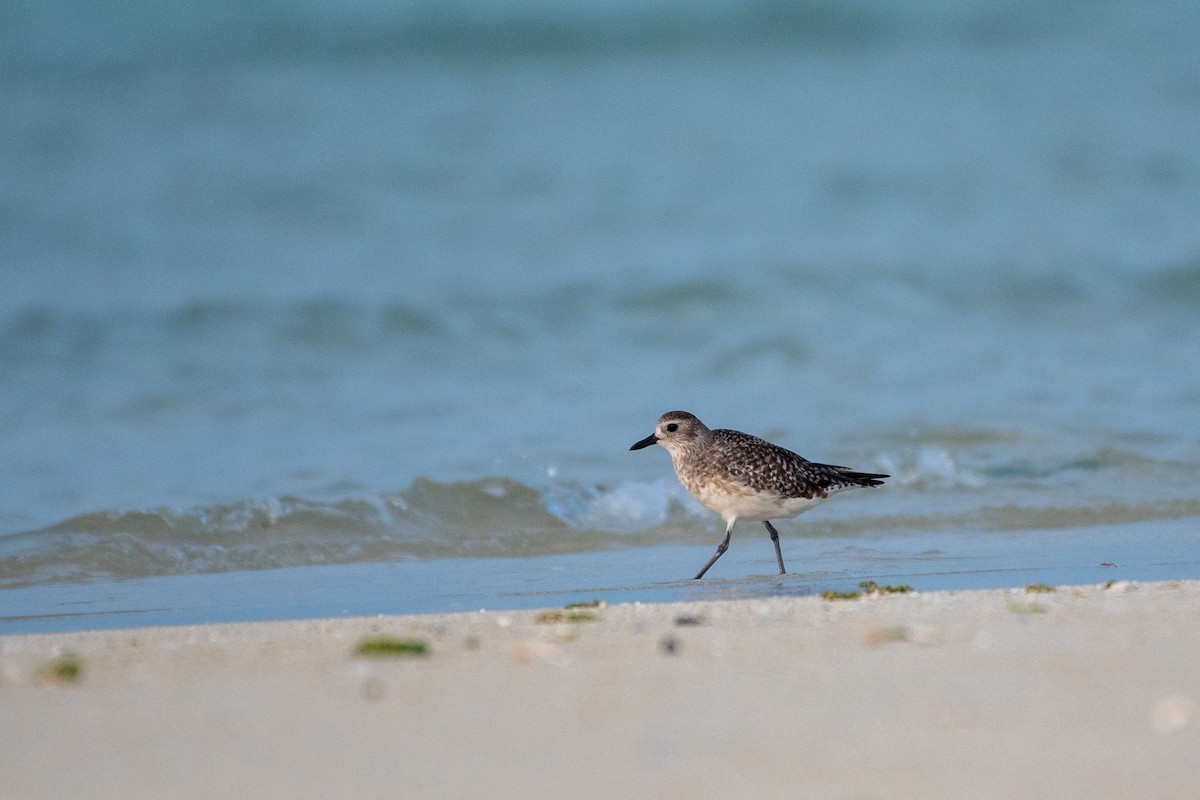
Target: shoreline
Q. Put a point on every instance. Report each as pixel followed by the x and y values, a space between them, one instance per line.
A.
pixel 950 560
pixel 983 693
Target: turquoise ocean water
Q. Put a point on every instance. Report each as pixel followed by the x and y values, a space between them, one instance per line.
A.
pixel 357 307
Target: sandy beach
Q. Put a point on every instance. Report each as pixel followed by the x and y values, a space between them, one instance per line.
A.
pixel 1089 691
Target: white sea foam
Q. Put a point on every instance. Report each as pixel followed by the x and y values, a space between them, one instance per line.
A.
pixel 636 506
pixel 929 467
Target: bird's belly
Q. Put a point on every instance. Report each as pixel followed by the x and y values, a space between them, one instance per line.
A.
pixel 733 502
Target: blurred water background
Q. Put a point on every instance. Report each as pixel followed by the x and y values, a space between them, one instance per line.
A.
pixel 287 285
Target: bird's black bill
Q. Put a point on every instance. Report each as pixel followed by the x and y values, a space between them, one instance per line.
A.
pixel 649 440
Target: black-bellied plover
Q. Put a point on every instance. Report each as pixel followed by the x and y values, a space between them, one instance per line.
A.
pixel 740 476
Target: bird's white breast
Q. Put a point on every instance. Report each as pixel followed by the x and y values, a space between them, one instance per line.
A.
pixel 733 501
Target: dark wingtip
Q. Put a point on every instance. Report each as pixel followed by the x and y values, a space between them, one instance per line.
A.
pixel 866 478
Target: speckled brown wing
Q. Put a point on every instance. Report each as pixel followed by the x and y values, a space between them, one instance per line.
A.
pixel 766 467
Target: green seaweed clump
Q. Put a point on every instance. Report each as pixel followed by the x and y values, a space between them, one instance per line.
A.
pixel 871 587
pixel 1027 608
pixel 391 646
pixel 547 617
pixel 1039 588
pixel 572 612
pixel 67 669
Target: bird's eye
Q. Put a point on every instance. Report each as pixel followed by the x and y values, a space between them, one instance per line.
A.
pixel 672 427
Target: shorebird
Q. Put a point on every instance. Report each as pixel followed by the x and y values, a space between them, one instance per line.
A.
pixel 739 476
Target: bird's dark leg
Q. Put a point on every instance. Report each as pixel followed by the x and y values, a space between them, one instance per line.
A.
pixel 721 548
pixel 775 541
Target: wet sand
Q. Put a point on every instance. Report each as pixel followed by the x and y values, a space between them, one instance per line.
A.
pixel 1090 691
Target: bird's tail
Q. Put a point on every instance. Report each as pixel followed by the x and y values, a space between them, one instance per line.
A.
pixel 862 478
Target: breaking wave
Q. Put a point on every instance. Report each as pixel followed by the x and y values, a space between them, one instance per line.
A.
pixel 495 517
pixel 499 518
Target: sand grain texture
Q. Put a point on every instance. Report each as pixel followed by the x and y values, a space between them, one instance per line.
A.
pixel 1085 691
